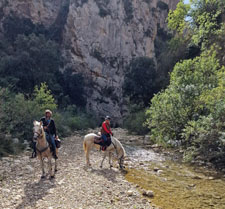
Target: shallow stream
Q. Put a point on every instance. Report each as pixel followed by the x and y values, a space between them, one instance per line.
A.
pixel 175 185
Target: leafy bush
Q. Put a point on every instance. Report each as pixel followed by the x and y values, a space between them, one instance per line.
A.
pixel 18 113
pixel 191 109
pixel 173 108
pixel 134 123
pixel 72 119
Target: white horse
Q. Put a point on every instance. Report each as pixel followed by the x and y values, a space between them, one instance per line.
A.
pixel 115 146
pixel 43 149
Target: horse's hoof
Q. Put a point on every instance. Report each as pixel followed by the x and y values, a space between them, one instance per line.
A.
pixel 56 170
pixel 42 177
pixel 100 166
pixel 52 177
pixel 111 166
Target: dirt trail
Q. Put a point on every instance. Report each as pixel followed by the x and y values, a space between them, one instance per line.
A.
pixel 75 185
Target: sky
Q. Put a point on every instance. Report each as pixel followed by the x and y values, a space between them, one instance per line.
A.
pixel 186 1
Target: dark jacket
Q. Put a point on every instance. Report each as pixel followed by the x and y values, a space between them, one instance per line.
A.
pixel 51 126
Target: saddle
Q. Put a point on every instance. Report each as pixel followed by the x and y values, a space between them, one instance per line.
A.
pixel 57 144
pixel 98 140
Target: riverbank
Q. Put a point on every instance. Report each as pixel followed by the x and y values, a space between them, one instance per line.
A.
pixel 174 184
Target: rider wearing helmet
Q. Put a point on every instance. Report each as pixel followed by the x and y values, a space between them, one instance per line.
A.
pixel 50 130
pixel 106 130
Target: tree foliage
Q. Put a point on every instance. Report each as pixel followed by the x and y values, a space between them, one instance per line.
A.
pixel 30 56
pixel 43 98
pixel 140 80
pixel 193 97
pixel 177 18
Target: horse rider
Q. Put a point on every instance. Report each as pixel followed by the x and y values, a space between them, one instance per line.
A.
pixel 50 130
pixel 106 130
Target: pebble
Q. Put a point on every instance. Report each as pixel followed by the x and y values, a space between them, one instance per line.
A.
pixel 211 178
pixel 6 190
pixel 148 193
pixel 159 172
pixel 17 197
pixel 29 168
pixel 130 193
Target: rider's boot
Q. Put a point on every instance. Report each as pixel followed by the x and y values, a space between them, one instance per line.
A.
pixel 54 153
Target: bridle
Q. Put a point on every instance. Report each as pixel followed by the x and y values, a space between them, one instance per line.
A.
pixel 39 135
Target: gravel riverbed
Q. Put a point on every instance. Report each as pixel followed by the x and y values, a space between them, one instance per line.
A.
pixel 74 186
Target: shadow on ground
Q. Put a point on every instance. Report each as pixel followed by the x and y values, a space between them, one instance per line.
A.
pixel 35 191
pixel 109 174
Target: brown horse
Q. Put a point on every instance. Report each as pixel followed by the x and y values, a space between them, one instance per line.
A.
pixel 43 149
pixel 115 146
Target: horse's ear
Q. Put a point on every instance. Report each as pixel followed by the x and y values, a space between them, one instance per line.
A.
pixel 34 122
pixel 41 123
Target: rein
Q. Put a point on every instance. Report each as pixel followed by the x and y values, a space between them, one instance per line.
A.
pixel 115 148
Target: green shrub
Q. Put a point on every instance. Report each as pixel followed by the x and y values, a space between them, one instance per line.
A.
pixel 191 109
pixel 180 102
pixel 134 122
pixel 72 119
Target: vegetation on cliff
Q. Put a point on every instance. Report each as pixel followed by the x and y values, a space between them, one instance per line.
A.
pixel 31 79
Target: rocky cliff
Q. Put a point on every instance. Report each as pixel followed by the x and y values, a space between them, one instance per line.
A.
pixel 99 38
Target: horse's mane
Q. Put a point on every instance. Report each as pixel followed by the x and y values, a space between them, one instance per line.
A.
pixel 119 145
pixel 36 123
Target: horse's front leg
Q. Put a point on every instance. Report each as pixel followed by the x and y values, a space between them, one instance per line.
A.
pixel 42 168
pixel 110 159
pixel 50 171
pixel 56 166
pixel 104 156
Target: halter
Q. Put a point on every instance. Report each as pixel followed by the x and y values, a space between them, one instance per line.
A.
pixel 38 134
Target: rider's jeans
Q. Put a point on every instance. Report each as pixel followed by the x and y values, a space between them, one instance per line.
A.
pixel 50 138
pixel 104 137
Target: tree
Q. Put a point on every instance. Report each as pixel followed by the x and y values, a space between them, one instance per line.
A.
pixel 43 98
pixel 74 87
pixel 172 108
pixel 32 61
pixel 140 80
pixel 177 18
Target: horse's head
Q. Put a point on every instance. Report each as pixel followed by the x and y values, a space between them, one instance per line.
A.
pixel 121 162
pixel 120 151
pixel 37 130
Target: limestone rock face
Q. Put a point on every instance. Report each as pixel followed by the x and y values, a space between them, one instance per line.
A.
pixel 100 37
